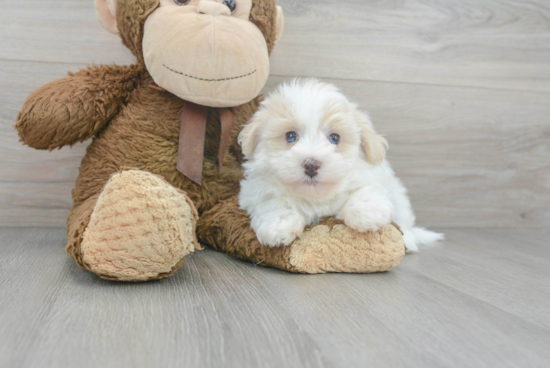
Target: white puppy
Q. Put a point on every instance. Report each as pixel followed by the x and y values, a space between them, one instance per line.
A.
pixel 311 153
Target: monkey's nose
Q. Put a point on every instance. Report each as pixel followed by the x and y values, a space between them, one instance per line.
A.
pixel 312 167
pixel 210 7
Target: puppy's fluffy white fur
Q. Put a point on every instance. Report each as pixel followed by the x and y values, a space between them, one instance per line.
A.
pixel 354 181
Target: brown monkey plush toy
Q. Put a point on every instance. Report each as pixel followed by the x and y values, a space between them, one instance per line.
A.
pixel 163 170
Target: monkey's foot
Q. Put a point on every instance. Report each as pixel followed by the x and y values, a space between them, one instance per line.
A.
pixel 141 229
pixel 329 246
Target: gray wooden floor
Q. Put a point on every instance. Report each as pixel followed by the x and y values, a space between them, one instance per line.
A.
pixel 482 299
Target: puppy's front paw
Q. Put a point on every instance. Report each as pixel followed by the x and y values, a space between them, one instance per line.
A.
pixel 279 231
pixel 366 216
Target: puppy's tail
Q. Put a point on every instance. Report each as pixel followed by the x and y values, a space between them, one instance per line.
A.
pixel 418 235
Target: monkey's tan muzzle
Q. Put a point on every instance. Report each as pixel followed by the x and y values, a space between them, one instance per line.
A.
pixel 210 60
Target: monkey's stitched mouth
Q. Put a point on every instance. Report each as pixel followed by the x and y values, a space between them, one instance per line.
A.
pixel 209 80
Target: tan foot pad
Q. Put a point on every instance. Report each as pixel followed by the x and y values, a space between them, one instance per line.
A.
pixel 141 229
pixel 327 247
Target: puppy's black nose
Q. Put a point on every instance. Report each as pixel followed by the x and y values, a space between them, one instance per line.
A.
pixel 312 166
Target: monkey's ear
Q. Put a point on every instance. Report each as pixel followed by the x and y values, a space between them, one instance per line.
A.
pixel 374 145
pixel 279 23
pixel 248 138
pixel 106 13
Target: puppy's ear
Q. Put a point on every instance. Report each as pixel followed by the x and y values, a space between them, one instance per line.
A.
pixel 106 14
pixel 374 146
pixel 248 138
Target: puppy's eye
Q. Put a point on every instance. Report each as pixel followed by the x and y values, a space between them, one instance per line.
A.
pixel 182 2
pixel 231 5
pixel 334 138
pixel 291 137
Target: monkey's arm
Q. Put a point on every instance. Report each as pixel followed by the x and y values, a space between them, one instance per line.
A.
pixel 75 108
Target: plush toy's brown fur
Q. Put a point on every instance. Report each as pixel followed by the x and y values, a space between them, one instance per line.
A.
pixel 136 129
pixel 329 246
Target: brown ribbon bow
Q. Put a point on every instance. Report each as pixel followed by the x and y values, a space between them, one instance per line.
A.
pixel 192 135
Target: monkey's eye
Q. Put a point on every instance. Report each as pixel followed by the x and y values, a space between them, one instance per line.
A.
pixel 291 137
pixel 182 2
pixel 334 138
pixel 231 5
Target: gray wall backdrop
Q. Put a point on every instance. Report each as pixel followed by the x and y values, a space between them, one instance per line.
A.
pixel 461 89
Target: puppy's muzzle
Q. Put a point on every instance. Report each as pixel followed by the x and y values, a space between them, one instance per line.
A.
pixel 312 167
